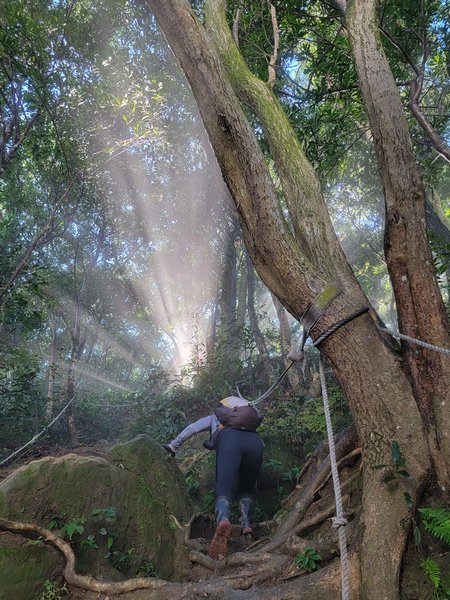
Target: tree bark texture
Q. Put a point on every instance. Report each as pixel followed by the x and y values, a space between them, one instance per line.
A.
pixel 296 259
pixel 420 308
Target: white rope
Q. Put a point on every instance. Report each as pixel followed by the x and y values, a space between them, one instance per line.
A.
pixel 38 435
pixel 416 341
pixel 339 521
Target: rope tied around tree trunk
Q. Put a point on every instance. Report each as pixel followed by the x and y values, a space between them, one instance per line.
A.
pixel 339 324
pixel 339 521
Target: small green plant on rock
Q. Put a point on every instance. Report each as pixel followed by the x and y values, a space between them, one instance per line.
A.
pixel 52 590
pixel 105 514
pixel 120 559
pixel 292 475
pixel 147 568
pixel 396 470
pixel 208 501
pixel 69 529
pixel 310 560
pixel 90 542
pixel 192 482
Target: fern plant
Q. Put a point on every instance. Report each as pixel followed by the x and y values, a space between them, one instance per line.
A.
pixel 436 521
pixel 432 570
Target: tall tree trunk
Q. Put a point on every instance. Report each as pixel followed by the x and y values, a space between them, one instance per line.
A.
pixel 75 354
pixel 228 301
pixel 70 393
pixel 421 312
pixel 285 340
pixel 296 261
pixel 211 339
pixel 51 375
pixel 92 345
pixel 254 322
pixel 241 310
pixel 439 224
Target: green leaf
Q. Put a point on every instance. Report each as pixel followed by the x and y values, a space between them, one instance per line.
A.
pixel 405 520
pixel 404 473
pixel 431 568
pixel 408 500
pixel 73 527
pixel 388 478
pixel 396 454
pixel 417 536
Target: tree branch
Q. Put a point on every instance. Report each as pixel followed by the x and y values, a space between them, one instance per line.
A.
pixel 414 94
pixel 46 229
pixel 236 26
pixel 276 41
pixel 401 49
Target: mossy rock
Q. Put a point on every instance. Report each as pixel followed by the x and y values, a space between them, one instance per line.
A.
pixel 24 566
pixel 138 497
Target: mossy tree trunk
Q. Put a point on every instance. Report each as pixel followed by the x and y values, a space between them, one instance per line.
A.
pixel 420 308
pixel 297 257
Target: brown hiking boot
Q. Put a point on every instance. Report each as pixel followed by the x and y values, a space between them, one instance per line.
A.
pixel 219 544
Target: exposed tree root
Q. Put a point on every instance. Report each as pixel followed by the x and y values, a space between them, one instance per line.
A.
pixel 319 518
pixel 246 575
pixel 85 582
pixel 253 571
pixel 238 559
pixel 323 584
pixel 344 461
pixel 304 495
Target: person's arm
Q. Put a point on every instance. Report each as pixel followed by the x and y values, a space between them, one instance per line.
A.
pixel 204 424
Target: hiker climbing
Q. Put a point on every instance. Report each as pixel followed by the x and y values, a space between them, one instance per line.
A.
pixel 239 450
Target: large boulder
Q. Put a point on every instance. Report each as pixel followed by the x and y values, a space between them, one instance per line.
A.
pixel 129 502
